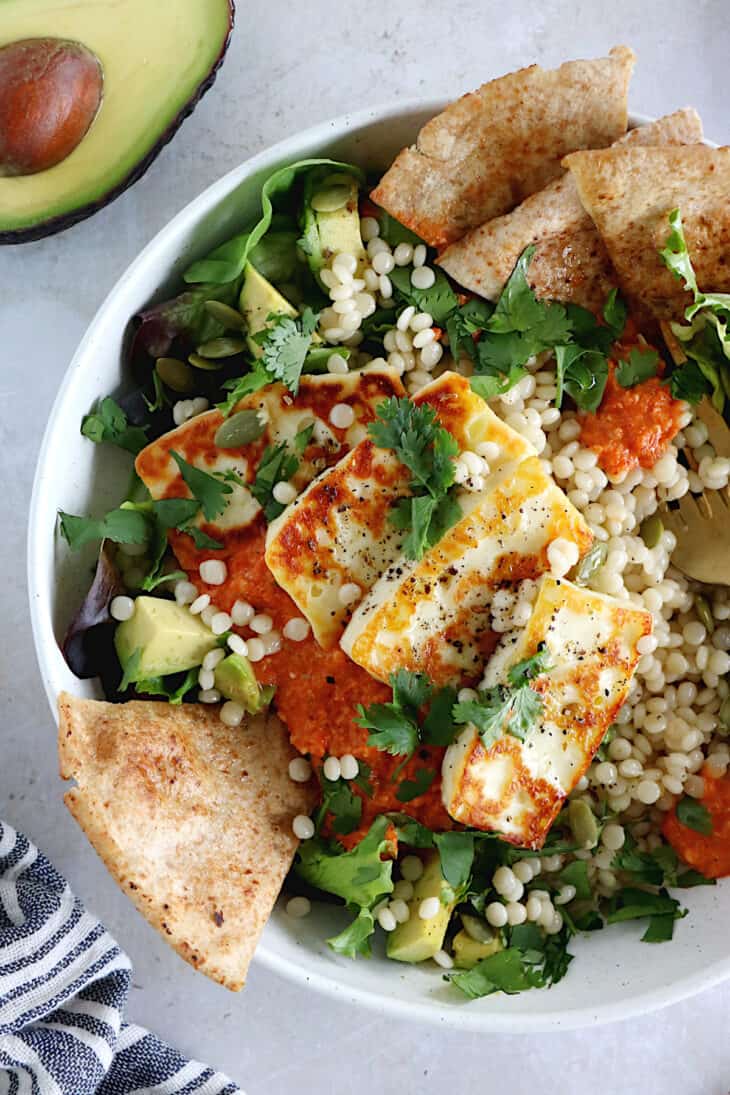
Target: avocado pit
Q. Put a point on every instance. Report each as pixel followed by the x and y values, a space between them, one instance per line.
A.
pixel 50 92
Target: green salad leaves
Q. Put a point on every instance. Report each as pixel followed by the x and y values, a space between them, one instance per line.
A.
pixel 704 337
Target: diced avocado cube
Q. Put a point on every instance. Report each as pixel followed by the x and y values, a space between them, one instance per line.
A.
pixel 330 232
pixel 168 636
pixel 235 679
pixel 468 951
pixel 259 299
pixel 417 940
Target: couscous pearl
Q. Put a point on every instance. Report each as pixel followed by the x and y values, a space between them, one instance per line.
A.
pixel 303 827
pixel 523 871
pixel 209 695
pixel 403 890
pixel 336 364
pixel 431 355
pixel 271 643
pixel 242 613
pixel 403 254
pixel 185 593
pixel 405 318
pixel 198 405
pixel 387 920
pixel 296 629
pixel 214 658
pixel 232 713
pixel 444 960
pixel 496 914
pixel 208 613
pixel 284 493
pixel 342 416
pixel 516 913
pixel 423 338
pixel 504 881
pixel 220 623
pixel 349 766
pixel 122 608
pixel 300 770
pixel 429 908
pixel 613 837
pixel 332 769
pixel 298 907
pixel 423 277
pixel 237 645
pixel 533 908
pixel 349 593
pixel 206 679
pixel 400 910
pixel 369 229
pixel 256 650
pixel 385 287
pixel 565 895
pixel 411 868
pixel 261 623
pixel 647 792
pixel 200 603
pixel 213 571
pixel 383 263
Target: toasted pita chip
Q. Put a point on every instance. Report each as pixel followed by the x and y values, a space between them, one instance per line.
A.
pixel 192 818
pixel 570 261
pixel 493 147
pixel 629 193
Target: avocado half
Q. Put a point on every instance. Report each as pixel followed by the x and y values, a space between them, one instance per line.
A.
pixel 158 57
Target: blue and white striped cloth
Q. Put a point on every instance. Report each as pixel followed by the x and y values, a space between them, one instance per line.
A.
pixel 63 986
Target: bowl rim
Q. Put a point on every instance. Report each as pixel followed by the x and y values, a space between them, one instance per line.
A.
pixel 44 637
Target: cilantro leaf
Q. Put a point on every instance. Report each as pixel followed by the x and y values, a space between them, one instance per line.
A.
pixel 175 512
pixel 438 726
pixel 241 386
pixel 615 313
pixel 201 539
pixel 165 686
pixel 206 489
pixel 694 815
pixel 506 971
pixel 439 301
pixel 122 526
pixel 109 423
pixel 529 668
pixel 689 383
pixel 634 904
pixel 640 366
pixel 392 730
pixel 659 930
pixel 465 322
pixel 409 789
pixel 285 343
pixel 411 691
pixel 277 464
pixel 354 940
pixel 582 374
pixel 576 874
pixel 428 450
pixel 456 851
pixel 344 805
pixel 489 713
pixel 526 708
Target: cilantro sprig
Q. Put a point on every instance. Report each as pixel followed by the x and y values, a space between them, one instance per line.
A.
pixel 285 343
pixel 278 464
pixel 428 450
pixel 109 423
pixel 513 708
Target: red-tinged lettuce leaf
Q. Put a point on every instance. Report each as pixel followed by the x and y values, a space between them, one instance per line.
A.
pixel 85 647
pixel 184 318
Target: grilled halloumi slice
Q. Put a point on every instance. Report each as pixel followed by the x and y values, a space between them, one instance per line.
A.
pixel 283 416
pixel 434 616
pixel 338 532
pixel 517 787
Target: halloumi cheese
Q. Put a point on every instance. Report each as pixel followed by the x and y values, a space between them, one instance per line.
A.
pixel 338 531
pixel 433 615
pixel 516 787
pixel 283 416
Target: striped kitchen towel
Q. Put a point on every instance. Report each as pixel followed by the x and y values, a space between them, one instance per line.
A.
pixel 63 986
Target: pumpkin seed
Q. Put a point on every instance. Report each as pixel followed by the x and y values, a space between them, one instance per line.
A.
pixel 331 198
pixel 229 317
pixel 239 429
pixel 704 613
pixel 583 824
pixel 591 563
pixel 651 530
pixel 221 347
pixel 477 929
pixel 204 363
pixel 724 713
pixel 175 373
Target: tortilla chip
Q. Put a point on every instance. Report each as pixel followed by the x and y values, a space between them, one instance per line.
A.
pixel 630 191
pixel 493 147
pixel 192 817
pixel 570 261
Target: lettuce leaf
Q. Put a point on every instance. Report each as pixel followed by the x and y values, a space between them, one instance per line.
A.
pixel 360 877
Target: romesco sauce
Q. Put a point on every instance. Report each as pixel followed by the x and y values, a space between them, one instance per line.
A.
pixel 317 691
pixel 708 854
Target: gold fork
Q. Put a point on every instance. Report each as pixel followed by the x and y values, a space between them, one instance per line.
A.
pixel 701 522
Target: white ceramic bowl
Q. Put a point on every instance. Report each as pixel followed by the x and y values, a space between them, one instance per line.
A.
pixel 613 975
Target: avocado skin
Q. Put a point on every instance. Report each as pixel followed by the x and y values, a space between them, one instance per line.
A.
pixel 67 220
